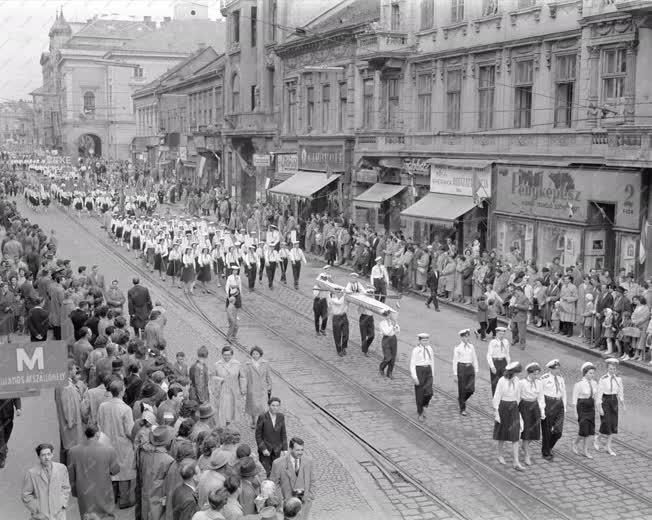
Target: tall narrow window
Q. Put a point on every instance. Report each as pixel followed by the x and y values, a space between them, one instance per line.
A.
pixel 523 94
pixel 235 27
pixel 427 14
pixel 614 72
pixel 486 85
pixel 270 89
pixel 254 94
pixel 89 103
pixel 565 66
pixel 424 101
pixel 138 72
pixel 368 103
pixel 254 25
pixel 310 107
pixel 292 108
pixel 489 7
pixel 457 11
pixel 393 88
pixel 453 99
pixel 273 19
pixel 395 22
pixel 219 105
pixel 325 107
pixel 235 93
pixel 343 109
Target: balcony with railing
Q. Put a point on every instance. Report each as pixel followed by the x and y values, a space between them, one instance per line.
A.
pixel 594 7
pixel 379 43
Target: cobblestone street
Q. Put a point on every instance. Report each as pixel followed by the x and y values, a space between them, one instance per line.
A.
pixel 395 468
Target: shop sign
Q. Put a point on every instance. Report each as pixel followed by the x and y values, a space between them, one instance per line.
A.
pixel 416 166
pixel 456 181
pixel 565 193
pixel 261 160
pixel 287 163
pixel 321 158
pixel 32 365
pixel 183 153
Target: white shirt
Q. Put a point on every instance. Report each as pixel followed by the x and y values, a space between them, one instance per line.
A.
pixel 498 349
pixel 507 390
pixel 553 386
pixel 464 353
pixel 338 305
pixel 610 385
pixel 379 271
pixel 296 255
pixel 422 355
pixel 533 391
pixel 233 281
pixel 388 328
pixel 584 389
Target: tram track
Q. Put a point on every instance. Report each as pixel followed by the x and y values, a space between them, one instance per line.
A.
pixel 524 513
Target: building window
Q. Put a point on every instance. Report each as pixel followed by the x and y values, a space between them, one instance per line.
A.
pixel 89 103
pixel 138 72
pixel 489 7
pixel 424 101
pixel 273 18
pixel 486 85
pixel 368 103
pixel 235 27
pixel 523 94
pixel 235 93
pixel 291 123
pixel 453 99
pixel 254 25
pixel 427 14
pixel 393 89
pixel 310 107
pixel 253 94
pixel 565 66
pixel 395 21
pixel 270 89
pixel 614 71
pixel 219 107
pixel 325 107
pixel 342 113
pixel 457 11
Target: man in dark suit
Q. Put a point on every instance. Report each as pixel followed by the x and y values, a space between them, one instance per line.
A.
pixel 78 316
pixel 184 498
pixel 433 284
pixel 271 437
pixel 7 407
pixel 140 305
pixel 38 322
pixel 96 278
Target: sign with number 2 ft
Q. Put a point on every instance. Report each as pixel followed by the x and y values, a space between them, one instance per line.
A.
pixel 31 366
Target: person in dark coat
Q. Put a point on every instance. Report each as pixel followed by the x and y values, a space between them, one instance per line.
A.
pixel 432 281
pixel 56 295
pixel 184 499
pixel 7 408
pixel 91 464
pixel 271 436
pixel 140 305
pixel 37 323
pixel 78 317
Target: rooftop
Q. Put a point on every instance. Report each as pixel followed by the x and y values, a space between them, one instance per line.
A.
pixel 180 36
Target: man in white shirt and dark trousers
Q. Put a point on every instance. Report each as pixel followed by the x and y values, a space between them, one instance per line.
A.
pixel 389 329
pixel 272 259
pixel 339 307
pixel 554 394
pixel 379 279
pixel 366 320
pixel 465 368
pixel 320 305
pixel 296 256
pixel 422 370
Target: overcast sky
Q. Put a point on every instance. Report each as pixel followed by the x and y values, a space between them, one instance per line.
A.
pixel 24 26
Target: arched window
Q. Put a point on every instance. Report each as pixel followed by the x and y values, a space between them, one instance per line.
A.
pixel 235 93
pixel 89 103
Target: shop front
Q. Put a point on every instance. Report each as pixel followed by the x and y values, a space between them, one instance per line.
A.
pixel 455 205
pixel 379 206
pixel 575 214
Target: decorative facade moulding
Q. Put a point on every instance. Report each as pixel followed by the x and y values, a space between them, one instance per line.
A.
pixel 454 28
pixel 554 7
pixel 534 10
pixel 612 27
pixel 496 19
pixel 594 51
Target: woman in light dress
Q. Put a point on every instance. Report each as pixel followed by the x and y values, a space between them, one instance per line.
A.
pixel 258 384
pixel 225 387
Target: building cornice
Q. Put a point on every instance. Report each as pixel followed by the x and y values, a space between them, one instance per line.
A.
pixel 309 43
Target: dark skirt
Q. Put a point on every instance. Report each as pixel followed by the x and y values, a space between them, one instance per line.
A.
pixel 499 364
pixel 79 206
pixel 105 208
pixel 531 414
pixel 188 274
pixel 118 232
pixel 89 206
pixel 149 255
pixel 174 268
pixel 204 274
pixel 159 262
pixel 586 416
pixel 45 201
pixel 609 421
pixel 135 243
pixel 510 425
pixel 126 237
pixel 65 201
pixel 143 205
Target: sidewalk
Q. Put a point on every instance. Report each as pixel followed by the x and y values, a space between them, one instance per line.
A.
pixel 573 342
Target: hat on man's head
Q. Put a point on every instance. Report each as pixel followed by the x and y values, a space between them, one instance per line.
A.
pixel 219 459
pixel 248 467
pixel 161 435
pixel 206 411
pixel 553 363
pixel 514 367
pixel 501 329
pixel 612 361
pixel 464 332
pixel 378 258
pixel 423 335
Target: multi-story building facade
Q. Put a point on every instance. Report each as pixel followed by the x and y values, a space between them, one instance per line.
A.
pixel 17 121
pixel 520 123
pixel 92 69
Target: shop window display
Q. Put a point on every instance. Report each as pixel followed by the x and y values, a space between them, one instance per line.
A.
pixel 628 252
pixel 512 233
pixel 558 241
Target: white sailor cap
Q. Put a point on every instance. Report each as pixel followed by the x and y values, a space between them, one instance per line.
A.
pixel 612 361
pixel 533 367
pixel 423 335
pixel 464 332
pixel 514 367
pixel 295 242
pixel 378 258
pixel 326 267
pixel 553 363
pixel 353 275
pixel 501 329
pixel 586 367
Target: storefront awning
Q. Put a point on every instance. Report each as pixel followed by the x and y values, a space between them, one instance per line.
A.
pixel 439 208
pixel 377 194
pixel 460 163
pixel 304 184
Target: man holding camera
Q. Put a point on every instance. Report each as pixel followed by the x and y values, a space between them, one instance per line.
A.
pixel 293 474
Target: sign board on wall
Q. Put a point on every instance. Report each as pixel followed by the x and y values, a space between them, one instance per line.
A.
pixel 564 193
pixel 261 160
pixel 32 365
pixel 321 158
pixel 456 181
pixel 183 153
pixel 417 166
pixel 287 163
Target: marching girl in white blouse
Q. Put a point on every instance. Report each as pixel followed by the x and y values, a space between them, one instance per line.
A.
pixel 160 257
pixel 174 263
pixel 188 270
pixel 205 261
